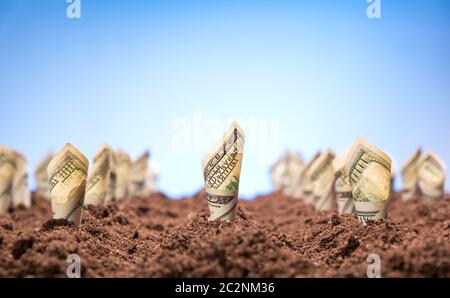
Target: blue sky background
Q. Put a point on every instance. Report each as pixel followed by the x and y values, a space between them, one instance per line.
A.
pixel 126 70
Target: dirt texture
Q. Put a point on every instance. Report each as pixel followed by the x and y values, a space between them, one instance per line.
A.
pixel 271 236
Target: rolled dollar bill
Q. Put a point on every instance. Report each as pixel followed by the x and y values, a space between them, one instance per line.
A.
pixel 111 193
pixel 67 173
pixel 342 187
pixel 7 169
pixel 305 180
pixel 431 177
pixel 97 186
pixel 410 177
pixel 152 177
pixel 138 179
pixel 40 174
pixel 222 171
pixel 20 193
pixel 292 169
pixel 322 180
pixel 123 170
pixel 369 170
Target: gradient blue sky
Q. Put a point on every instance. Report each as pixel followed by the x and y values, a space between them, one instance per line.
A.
pixel 127 70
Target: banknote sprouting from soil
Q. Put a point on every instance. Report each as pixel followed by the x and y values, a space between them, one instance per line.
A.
pixel 271 236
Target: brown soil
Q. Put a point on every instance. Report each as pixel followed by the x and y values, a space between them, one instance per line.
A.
pixel 272 236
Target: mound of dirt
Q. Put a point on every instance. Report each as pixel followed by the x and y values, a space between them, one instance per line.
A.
pixel 272 236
